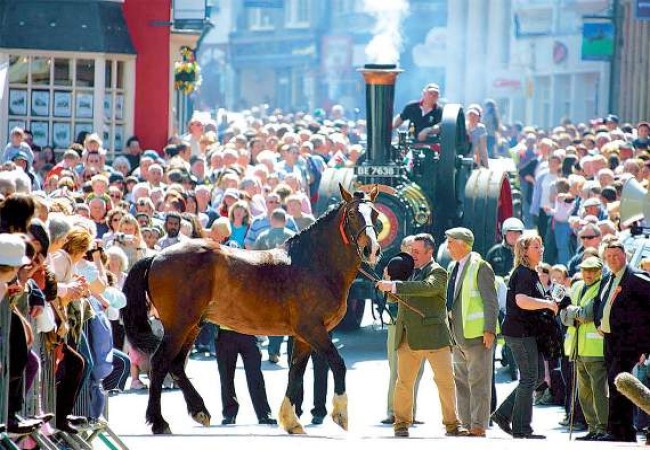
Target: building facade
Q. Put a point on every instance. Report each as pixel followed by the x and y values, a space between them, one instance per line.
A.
pixel 632 93
pixel 105 66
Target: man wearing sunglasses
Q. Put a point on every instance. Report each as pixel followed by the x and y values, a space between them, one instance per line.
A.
pixel 588 236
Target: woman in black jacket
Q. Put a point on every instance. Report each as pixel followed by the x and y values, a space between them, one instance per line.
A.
pixel 524 303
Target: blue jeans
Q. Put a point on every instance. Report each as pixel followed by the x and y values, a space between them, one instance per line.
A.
pixel 562 232
pixel 526 194
pixel 274 345
pixel 517 408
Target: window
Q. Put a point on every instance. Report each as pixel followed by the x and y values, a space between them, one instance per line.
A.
pixel 260 19
pixel 54 97
pixel 297 13
pixel 113 132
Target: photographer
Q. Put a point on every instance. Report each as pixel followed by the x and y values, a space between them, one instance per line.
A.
pixel 129 239
pixel 525 299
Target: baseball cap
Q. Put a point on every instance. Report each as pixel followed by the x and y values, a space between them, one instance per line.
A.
pixel 12 250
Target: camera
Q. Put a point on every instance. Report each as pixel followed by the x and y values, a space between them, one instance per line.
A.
pixel 122 238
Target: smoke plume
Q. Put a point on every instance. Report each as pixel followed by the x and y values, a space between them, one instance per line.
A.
pixel 386 44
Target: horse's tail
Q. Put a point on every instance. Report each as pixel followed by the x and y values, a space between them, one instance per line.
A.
pixel 136 312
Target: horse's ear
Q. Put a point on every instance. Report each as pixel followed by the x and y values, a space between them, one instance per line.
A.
pixel 345 195
pixel 373 192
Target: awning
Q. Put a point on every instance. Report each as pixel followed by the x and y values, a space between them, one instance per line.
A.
pixel 64 25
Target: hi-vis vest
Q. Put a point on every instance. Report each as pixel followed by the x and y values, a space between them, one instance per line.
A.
pixel 473 311
pixel 590 343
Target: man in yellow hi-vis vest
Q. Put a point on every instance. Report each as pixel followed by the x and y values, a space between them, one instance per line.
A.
pixel 584 346
pixel 473 310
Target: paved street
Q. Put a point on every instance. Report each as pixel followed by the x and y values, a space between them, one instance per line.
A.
pixel 367 378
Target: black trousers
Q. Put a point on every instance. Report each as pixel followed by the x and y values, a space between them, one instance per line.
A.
pixel 69 373
pixel 18 353
pixel 621 410
pixel 321 372
pixel 230 345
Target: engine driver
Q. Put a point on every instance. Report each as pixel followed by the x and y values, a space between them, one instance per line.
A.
pixel 501 256
pixel 424 115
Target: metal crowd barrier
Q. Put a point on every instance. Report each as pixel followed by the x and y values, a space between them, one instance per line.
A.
pixel 42 398
pixel 5 326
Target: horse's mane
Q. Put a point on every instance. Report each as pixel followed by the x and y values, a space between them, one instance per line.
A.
pixel 307 243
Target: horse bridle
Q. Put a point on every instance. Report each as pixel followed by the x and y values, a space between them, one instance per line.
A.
pixel 345 222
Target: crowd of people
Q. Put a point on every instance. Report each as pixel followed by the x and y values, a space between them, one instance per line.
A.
pixel 73 224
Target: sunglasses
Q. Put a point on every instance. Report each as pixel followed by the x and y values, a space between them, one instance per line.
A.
pixel 586 238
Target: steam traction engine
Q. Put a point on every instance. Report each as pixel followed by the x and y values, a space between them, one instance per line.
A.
pixel 438 189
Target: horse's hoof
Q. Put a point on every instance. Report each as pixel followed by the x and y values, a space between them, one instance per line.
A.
pixel 162 429
pixel 340 410
pixel 296 429
pixel 341 420
pixel 202 417
pixel 288 419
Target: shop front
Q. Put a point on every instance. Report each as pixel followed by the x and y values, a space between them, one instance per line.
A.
pixel 66 67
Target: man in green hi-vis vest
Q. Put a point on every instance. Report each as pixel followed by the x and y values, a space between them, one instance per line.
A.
pixel 473 313
pixel 585 346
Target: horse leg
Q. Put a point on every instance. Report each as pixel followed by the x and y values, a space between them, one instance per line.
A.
pixel 195 405
pixel 287 417
pixel 159 367
pixel 321 342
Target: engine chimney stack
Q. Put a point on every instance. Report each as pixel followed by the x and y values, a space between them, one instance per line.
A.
pixel 380 95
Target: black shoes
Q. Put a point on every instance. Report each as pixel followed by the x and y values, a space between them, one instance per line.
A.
pixel 591 436
pixel 77 420
pixel 228 420
pixel 501 422
pixel 388 420
pixel 268 420
pixel 609 437
pixel 317 420
pixel 45 418
pixel 528 436
pixel 16 426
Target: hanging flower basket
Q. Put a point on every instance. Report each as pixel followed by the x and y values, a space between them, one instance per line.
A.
pixel 187 72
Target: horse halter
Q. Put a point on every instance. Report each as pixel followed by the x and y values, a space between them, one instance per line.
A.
pixel 345 223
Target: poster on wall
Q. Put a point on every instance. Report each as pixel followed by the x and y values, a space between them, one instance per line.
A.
pixel 119 107
pixel 40 132
pixel 84 105
pixel 119 137
pixel 82 127
pixel 15 124
pixel 61 135
pixel 17 102
pixel 108 106
pixel 41 103
pixel 62 104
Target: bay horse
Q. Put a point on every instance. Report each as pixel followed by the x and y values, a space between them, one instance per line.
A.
pixel 298 290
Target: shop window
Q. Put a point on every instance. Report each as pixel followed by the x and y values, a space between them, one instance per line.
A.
pixel 62 72
pixel 114 126
pixel 41 71
pixel 18 70
pixel 55 99
pixel 85 73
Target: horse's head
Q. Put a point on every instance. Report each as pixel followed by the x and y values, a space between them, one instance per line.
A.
pixel 357 223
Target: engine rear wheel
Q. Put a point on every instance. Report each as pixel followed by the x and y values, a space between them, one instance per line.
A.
pixel 488 202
